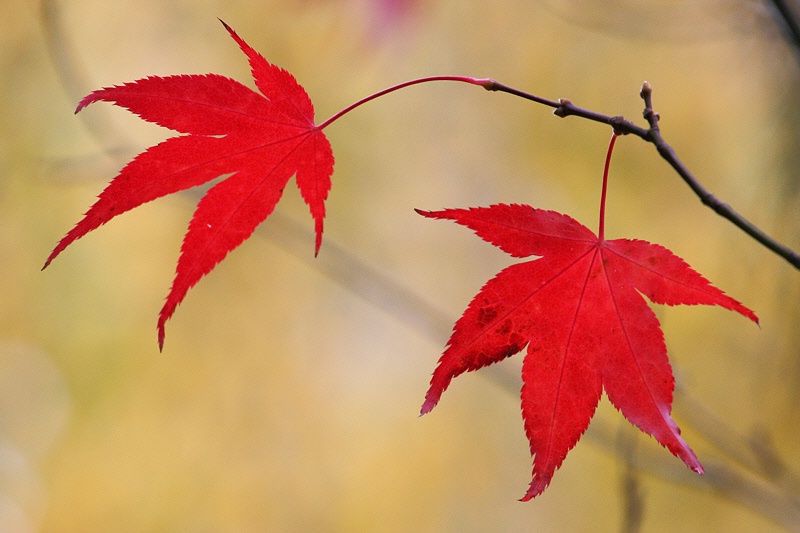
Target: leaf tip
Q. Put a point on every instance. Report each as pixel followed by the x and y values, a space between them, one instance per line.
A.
pixel 243 45
pixel 56 251
pixel 86 100
pixel 685 454
pixel 230 30
pixel 317 243
pixel 161 327
pixel 540 481
pixel 536 488
pixel 744 311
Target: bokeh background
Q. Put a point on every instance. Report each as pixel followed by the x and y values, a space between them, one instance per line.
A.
pixel 287 395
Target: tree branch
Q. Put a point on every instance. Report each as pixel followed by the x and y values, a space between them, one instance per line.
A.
pixel 565 108
pixel 721 208
pixel 789 24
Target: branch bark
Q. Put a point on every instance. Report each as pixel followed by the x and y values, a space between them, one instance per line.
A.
pixel 565 108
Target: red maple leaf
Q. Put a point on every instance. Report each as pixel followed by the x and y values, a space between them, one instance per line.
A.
pixel 579 309
pixel 262 140
pixel 259 140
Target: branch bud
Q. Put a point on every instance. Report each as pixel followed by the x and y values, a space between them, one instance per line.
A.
pixel 561 110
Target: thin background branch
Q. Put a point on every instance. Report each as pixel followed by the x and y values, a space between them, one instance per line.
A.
pixel 786 17
pixel 630 482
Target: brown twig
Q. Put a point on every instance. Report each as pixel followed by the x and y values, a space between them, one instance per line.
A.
pixel 565 108
pixel 721 208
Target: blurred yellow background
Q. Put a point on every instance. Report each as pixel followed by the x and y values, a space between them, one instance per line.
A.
pixel 287 395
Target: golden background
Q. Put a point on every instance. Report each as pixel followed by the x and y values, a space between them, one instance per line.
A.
pixel 287 395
